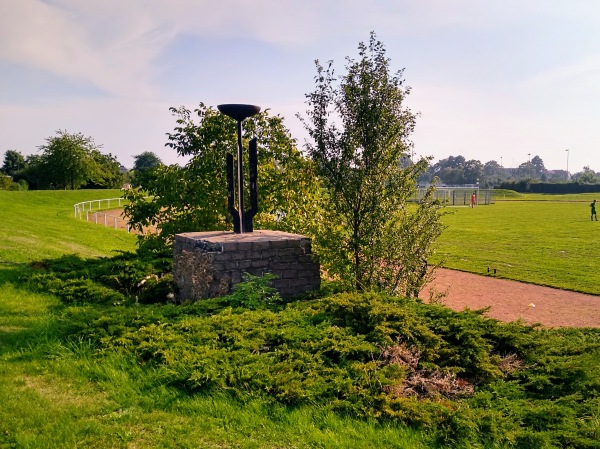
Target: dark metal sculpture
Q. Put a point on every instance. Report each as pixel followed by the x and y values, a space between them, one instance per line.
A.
pixel 242 220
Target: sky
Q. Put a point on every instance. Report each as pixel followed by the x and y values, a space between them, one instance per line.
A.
pixel 491 80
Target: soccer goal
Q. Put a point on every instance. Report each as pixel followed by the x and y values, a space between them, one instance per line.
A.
pixel 459 196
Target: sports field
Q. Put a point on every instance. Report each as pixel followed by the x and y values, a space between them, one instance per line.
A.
pixel 69 379
pixel 542 239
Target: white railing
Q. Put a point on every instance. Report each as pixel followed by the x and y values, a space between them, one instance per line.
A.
pixel 96 211
pixel 97 205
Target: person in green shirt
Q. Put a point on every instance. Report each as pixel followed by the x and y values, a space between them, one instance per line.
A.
pixel 593 206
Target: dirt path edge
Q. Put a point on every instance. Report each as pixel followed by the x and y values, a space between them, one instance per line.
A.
pixel 512 300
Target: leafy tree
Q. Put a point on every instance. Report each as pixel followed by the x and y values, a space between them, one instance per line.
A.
pixel 5 182
pixel 33 172
pixel 361 128
pixel 67 161
pixel 587 176
pixel 14 162
pixel 538 166
pixel 450 170
pixel 492 173
pixel 473 172
pixel 194 197
pixel 525 171
pixel 453 162
pixel 146 161
pixel 105 172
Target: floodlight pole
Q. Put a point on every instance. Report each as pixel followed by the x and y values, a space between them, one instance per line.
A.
pixel 567 150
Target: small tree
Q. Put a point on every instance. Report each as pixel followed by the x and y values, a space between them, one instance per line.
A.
pixel 106 172
pixel 146 161
pixel 14 162
pixel 473 171
pixel 538 166
pixel 143 163
pixel 5 182
pixel 587 176
pixel 67 161
pixel 33 173
pixel 360 130
pixel 194 197
pixel 492 174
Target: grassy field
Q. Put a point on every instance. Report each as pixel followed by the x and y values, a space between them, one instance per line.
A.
pixel 58 395
pixel 39 224
pixel 61 392
pixel 542 239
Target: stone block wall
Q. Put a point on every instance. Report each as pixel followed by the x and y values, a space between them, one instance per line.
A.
pixel 208 264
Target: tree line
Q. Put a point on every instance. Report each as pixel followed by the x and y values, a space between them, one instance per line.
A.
pixel 70 161
pixel 457 170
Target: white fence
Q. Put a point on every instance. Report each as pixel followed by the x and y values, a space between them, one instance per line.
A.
pixel 97 205
pixel 97 211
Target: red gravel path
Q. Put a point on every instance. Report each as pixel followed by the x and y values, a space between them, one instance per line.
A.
pixel 511 300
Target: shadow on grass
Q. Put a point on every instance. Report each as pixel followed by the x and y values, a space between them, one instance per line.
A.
pixel 10 272
pixel 34 295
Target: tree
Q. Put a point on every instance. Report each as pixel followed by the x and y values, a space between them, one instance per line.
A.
pixel 194 197
pixel 538 166
pixel 587 176
pixel 360 130
pixel 5 182
pixel 473 172
pixel 525 171
pixel 451 170
pixel 14 162
pixel 67 161
pixel 146 161
pixel 33 172
pixel 105 172
pixel 492 174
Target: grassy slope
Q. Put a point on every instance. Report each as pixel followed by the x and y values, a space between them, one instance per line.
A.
pixel 544 242
pixel 38 224
pixel 54 396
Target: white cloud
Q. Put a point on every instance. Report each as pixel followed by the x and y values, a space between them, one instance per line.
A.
pixel 116 46
pixel 104 50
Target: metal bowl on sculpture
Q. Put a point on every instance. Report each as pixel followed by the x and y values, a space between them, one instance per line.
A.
pixel 239 112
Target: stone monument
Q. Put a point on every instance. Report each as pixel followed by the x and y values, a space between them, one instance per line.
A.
pixel 208 264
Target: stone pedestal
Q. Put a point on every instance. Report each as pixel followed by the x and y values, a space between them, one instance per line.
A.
pixel 208 264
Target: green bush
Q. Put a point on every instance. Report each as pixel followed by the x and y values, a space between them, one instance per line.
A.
pixel 254 291
pixel 115 280
pixel 464 379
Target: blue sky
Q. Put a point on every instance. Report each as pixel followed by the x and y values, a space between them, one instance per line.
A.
pixel 492 80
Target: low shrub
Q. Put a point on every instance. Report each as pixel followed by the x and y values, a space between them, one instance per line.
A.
pixel 465 379
pixel 125 278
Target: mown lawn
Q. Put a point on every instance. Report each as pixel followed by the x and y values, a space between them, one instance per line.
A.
pixel 39 224
pixel 551 242
pixel 81 374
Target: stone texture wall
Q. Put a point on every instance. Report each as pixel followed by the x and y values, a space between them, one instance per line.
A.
pixel 208 264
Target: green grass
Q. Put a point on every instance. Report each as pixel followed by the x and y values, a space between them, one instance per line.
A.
pixel 62 390
pixel 548 242
pixel 57 394
pixel 39 224
pixel 511 195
